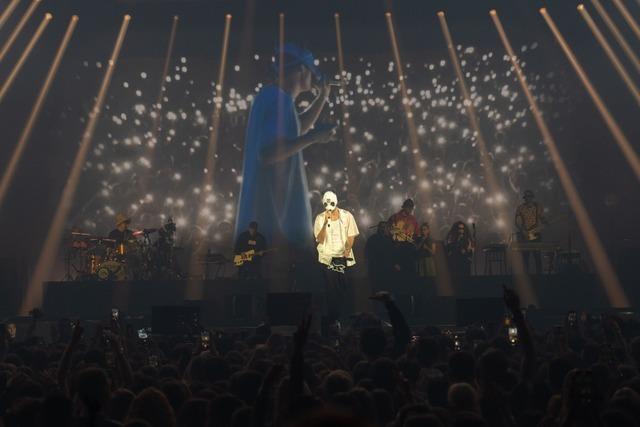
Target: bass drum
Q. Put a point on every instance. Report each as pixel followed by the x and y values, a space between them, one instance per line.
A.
pixel 112 271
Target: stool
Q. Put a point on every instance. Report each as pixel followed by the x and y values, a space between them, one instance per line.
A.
pixel 495 254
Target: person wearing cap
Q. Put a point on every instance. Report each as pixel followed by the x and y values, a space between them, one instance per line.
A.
pixel 274 181
pixel 335 231
pixel 529 220
pixel 403 224
pixel 247 241
pixel 121 234
pixel 404 227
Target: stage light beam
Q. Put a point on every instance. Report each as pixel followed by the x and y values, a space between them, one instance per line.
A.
pixel 157 107
pixel 445 287
pixel 195 289
pixel 614 128
pixel 25 54
pixel 10 169
pixel 522 279
pixel 617 64
pixel 50 247
pixel 347 140
pixel 165 71
pixel 7 12
pixel 617 34
pixel 627 17
pixel 16 31
pixel 608 277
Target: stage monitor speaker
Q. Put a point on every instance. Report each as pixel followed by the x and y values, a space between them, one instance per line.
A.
pixel 287 308
pixel 175 320
pixel 472 310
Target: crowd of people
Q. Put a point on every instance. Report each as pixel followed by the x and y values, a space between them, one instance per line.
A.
pixel 375 373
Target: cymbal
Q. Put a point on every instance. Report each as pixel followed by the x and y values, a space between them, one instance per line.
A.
pixel 102 239
pixel 80 234
pixel 142 232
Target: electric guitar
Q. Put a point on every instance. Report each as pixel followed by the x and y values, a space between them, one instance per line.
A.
pixel 248 256
pixel 533 233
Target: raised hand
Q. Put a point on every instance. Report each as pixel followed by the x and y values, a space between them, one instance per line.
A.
pixel 78 330
pixel 382 296
pixel 511 299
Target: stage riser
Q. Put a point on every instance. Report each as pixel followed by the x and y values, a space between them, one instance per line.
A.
pixel 228 302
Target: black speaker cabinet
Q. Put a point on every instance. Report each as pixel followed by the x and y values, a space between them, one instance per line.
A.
pixel 287 308
pixel 175 320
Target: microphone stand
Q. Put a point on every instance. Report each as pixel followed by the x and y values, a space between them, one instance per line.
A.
pixel 474 247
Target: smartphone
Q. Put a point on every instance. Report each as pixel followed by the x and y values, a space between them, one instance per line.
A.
pixel 153 361
pixel 142 334
pixel 512 334
pixel 11 330
pixel 572 318
pixel 205 338
pixel 115 314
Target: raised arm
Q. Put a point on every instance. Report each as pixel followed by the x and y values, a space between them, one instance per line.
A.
pixel 65 362
pixel 283 148
pixel 512 301
pixel 296 371
pixel 309 117
pixel 320 227
pixel 399 325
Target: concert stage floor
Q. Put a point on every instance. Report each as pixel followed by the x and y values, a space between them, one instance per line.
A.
pixel 230 302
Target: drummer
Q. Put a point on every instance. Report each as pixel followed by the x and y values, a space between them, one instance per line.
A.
pixel 121 234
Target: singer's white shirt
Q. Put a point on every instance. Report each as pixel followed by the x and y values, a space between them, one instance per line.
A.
pixel 335 236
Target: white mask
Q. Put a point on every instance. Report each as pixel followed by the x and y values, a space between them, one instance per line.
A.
pixel 330 200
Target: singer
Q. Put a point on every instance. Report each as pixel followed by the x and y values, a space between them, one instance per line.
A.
pixel 274 181
pixel 335 230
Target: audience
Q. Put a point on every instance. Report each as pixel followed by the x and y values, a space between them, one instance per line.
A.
pixel 583 373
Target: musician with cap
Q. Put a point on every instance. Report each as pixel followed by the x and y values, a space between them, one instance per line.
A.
pixel 274 181
pixel 404 227
pixel 529 221
pixel 121 234
pixel 335 231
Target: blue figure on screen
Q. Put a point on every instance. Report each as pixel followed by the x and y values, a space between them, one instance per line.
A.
pixel 274 182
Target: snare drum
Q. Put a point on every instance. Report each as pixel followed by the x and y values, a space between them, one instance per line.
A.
pixel 112 271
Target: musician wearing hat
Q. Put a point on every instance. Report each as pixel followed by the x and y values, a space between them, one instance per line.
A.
pixel 404 227
pixel 274 181
pixel 529 221
pixel 121 234
pixel 403 223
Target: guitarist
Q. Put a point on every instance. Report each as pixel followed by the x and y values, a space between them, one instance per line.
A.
pixel 529 221
pixel 251 240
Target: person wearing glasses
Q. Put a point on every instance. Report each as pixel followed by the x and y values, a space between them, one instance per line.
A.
pixel 460 247
pixel 335 231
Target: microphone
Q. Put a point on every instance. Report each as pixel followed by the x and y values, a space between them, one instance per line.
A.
pixel 330 81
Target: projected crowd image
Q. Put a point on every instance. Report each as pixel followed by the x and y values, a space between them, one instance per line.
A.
pixel 148 159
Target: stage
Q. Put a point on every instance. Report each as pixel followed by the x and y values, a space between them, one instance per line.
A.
pixel 236 303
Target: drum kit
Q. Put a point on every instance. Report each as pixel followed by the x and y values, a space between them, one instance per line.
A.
pixel 136 257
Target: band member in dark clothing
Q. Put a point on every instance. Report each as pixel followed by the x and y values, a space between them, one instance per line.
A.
pixel 121 234
pixel 426 250
pixel 379 252
pixel 251 240
pixel 529 221
pixel 460 247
